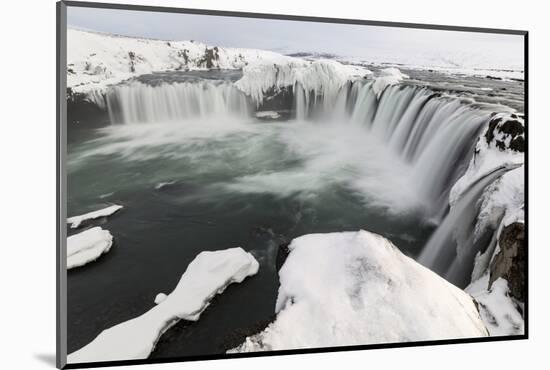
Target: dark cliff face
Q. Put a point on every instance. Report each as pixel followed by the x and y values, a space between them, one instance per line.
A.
pixel 282 254
pixel 277 100
pixel 510 262
pixel 507 127
pixel 210 58
pixel 81 112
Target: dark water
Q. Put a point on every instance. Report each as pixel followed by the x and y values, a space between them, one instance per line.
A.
pixel 247 184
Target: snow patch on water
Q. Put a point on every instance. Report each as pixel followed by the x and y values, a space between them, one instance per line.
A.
pixel 87 246
pixel 75 221
pixel 267 114
pixel 207 275
pixel 160 298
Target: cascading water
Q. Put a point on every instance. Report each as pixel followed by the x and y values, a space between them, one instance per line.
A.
pixel 431 134
pixel 435 135
pixel 138 102
pixel 457 229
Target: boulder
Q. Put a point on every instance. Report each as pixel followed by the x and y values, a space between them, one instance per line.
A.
pixel 510 262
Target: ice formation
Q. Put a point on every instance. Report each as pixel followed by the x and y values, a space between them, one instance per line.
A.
pixel 87 246
pixel 207 275
pixel 75 221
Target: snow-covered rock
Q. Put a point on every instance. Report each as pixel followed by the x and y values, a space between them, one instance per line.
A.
pixel 323 77
pixel 87 246
pixel 353 288
pixel 75 221
pixel 501 290
pixel 268 114
pixel 160 298
pixel 499 311
pixel 493 150
pixel 501 208
pixel 511 260
pixel 502 202
pixel 97 60
pixel 207 275
pixel 387 77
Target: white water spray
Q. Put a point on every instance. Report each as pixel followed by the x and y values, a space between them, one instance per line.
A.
pixel 435 135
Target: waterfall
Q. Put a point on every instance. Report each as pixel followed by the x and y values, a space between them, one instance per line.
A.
pixel 430 132
pixel 452 248
pixel 137 102
pixel 435 135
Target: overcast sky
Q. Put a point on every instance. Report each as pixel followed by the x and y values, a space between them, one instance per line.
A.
pixel 369 42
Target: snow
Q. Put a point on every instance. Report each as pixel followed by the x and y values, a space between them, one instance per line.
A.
pixel 481 63
pixel 207 275
pixel 75 221
pixel 160 298
pixel 506 195
pixel 487 158
pixel 387 77
pixel 324 77
pixel 97 60
pixel 268 114
pixel 87 246
pixel 502 202
pixel 498 310
pixel 354 288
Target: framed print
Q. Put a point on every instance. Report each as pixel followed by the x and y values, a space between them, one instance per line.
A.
pixel 236 184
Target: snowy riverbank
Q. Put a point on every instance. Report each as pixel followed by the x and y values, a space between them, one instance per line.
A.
pixel 356 288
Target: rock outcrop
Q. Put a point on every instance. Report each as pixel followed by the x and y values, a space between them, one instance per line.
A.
pixel 354 288
pixel 507 131
pixel 510 262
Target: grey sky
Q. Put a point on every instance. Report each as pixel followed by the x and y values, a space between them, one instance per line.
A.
pixel 369 42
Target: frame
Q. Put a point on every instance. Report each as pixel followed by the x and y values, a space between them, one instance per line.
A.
pixel 61 189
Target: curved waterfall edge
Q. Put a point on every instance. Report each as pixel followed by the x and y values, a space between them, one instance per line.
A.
pixel 419 124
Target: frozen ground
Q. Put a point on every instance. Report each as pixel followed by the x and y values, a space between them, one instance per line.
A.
pixel 355 288
pixel 498 310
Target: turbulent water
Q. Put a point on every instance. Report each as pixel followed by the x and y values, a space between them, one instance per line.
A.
pixel 196 170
